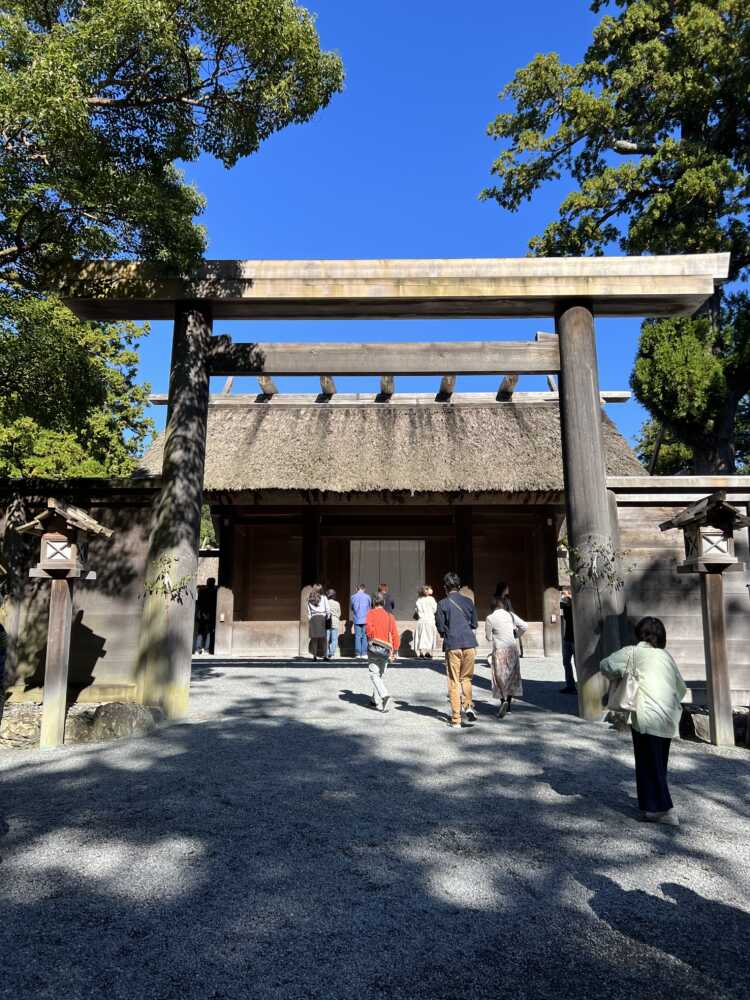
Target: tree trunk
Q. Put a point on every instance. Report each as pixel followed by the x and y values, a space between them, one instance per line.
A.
pixel 716 455
pixel 14 552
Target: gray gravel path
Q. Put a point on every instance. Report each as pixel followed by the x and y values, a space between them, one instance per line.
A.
pixel 289 842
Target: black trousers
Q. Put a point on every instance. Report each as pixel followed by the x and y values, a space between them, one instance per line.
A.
pixel 651 759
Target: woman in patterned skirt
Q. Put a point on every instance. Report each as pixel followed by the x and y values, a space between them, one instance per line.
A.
pixel 502 627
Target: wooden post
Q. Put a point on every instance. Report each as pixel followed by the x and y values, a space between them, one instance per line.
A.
pixel 621 634
pixel 551 630
pixel 225 596
pixel 166 642
pixel 594 609
pixel 304 624
pixel 717 663
pixel 310 570
pixel 463 522
pixel 56 665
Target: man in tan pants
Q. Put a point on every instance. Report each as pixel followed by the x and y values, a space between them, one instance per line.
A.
pixel 456 620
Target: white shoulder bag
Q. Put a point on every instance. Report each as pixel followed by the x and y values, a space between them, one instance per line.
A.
pixel 624 696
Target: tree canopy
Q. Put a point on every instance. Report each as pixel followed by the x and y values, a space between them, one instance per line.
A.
pixel 98 99
pixel 69 401
pixel 653 129
pixel 653 126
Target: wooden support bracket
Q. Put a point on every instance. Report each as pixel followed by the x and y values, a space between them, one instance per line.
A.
pixel 507 387
pixel 387 389
pixel 267 385
pixel 447 385
pixel 327 386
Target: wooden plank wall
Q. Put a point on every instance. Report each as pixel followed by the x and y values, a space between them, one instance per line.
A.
pixel 106 615
pixel 509 551
pixel 653 587
pixel 267 566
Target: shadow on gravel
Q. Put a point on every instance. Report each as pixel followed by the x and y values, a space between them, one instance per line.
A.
pixel 251 857
pixel 703 934
pixel 546 695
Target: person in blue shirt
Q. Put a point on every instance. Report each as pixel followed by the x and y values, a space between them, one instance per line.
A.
pixel 360 605
pixel 456 621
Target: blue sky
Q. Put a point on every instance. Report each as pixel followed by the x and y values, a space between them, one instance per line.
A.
pixel 393 168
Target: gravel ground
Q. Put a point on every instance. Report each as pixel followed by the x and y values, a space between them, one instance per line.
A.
pixel 287 841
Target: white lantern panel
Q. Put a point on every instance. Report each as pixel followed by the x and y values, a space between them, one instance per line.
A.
pixel 58 551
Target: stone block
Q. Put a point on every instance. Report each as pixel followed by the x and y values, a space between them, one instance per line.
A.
pixel 695 724
pixel 83 724
pixel 118 720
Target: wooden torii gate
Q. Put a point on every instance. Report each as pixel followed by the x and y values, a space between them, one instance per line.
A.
pixel 572 290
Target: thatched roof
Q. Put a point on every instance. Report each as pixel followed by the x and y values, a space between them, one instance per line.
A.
pixel 349 448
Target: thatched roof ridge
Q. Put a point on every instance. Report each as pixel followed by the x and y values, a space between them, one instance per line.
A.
pixel 507 447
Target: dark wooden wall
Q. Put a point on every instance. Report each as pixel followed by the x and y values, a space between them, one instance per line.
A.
pixel 267 565
pixel 272 557
pixel 508 547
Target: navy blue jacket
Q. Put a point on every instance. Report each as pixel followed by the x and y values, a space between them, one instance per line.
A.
pixel 456 619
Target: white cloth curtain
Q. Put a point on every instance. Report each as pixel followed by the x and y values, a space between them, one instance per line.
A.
pixel 400 564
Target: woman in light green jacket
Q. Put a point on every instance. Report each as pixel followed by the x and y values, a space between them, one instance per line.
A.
pixel 656 719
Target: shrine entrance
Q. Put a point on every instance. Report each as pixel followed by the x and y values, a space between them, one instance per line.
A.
pixel 572 290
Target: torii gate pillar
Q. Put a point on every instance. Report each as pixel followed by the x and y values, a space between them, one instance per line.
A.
pixel 166 641
pixel 596 610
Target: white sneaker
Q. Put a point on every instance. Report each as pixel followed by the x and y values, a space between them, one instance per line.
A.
pixel 668 818
pixel 386 706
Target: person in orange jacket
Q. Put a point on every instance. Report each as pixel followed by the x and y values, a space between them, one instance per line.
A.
pixel 382 643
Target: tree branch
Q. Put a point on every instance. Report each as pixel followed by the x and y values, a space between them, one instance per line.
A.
pixel 628 148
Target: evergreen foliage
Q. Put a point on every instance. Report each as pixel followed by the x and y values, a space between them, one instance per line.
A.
pixel 69 401
pixel 207 532
pixel 653 127
pixel 98 101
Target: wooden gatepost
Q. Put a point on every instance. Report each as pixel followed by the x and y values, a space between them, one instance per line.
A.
pixel 573 290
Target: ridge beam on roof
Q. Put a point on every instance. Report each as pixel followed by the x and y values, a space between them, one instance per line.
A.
pixel 446 390
pixel 401 399
pixel 494 357
pixel 507 388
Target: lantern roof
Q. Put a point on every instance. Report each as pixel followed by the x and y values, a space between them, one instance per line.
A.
pixel 74 518
pixel 712 511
